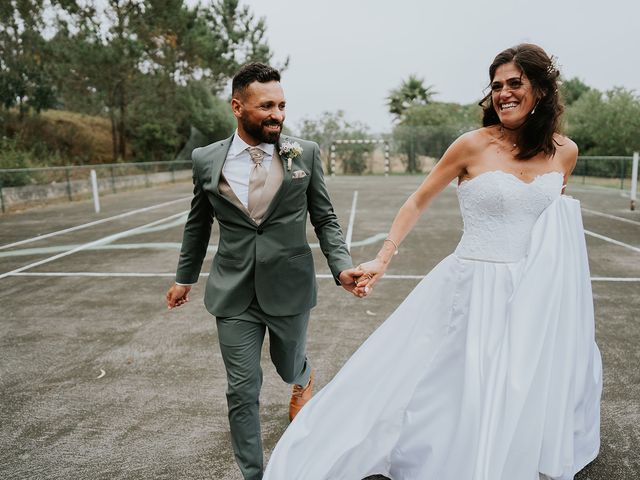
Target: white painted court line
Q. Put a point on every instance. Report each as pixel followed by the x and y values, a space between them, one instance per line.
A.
pixel 91 224
pixel 615 279
pixel 607 215
pixel 611 240
pixel 352 217
pixel 100 241
pixel 319 276
pixel 574 187
pixel 96 274
pixel 118 246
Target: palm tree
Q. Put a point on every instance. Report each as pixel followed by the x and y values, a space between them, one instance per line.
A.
pixel 411 92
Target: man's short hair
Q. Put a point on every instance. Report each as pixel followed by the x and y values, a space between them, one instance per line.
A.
pixel 253 72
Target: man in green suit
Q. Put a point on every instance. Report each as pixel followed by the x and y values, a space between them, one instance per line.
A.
pixel 260 185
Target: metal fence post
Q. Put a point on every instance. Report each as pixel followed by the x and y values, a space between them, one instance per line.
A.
pixel 634 181
pixel 113 180
pixel 66 172
pixel 333 159
pixel 586 170
pixel 387 163
pixel 95 190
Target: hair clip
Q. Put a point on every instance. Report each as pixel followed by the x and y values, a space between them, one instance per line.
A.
pixel 554 67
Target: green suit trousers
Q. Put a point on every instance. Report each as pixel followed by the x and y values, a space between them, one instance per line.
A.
pixel 241 338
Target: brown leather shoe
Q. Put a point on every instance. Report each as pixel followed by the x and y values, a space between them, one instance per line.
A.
pixel 299 396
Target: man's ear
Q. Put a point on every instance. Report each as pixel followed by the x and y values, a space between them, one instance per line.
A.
pixel 236 107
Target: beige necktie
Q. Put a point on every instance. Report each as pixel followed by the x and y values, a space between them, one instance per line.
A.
pixel 257 177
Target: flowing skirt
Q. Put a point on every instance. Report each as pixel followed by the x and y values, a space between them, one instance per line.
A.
pixel 486 371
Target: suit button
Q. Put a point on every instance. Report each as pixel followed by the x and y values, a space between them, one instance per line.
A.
pixel 259 231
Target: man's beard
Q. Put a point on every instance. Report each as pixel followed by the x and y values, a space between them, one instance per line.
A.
pixel 258 131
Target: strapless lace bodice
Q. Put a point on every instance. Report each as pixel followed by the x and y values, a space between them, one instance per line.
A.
pixel 499 211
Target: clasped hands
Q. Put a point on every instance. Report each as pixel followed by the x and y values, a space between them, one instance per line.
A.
pixel 361 279
pixel 358 280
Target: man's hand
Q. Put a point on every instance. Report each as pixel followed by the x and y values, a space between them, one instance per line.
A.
pixel 367 275
pixel 348 280
pixel 177 295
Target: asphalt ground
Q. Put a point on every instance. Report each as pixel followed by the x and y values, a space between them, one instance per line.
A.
pixel 99 381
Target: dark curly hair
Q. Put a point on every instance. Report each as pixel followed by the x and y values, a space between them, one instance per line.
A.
pixel 253 72
pixel 536 135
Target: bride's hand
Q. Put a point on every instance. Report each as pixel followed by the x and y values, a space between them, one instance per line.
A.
pixel 370 272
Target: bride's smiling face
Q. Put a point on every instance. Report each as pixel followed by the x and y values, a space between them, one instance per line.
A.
pixel 512 95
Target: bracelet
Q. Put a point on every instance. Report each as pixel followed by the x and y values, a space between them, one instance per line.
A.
pixel 394 244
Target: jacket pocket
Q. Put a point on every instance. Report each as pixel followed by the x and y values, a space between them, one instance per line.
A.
pixel 225 260
pixel 300 255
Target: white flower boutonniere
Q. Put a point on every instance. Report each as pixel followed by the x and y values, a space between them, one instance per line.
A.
pixel 289 151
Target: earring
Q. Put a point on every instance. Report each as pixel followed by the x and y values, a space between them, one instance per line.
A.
pixel 534 107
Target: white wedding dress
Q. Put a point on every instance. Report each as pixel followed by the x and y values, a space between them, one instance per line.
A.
pixel 487 371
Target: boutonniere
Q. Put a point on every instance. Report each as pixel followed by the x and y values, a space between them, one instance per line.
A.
pixel 289 151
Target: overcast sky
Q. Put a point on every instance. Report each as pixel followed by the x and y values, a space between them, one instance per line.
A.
pixel 348 54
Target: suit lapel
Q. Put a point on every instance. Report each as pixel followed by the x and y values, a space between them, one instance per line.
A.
pixel 227 192
pixel 217 163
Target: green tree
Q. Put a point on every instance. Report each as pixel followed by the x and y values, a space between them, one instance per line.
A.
pixel 197 118
pixel 25 75
pixel 331 126
pixel 98 46
pixel 138 64
pixel 208 113
pixel 144 64
pixel 189 51
pixel 411 92
pixel 605 124
pixel 210 118
pixel 443 113
pixel 325 129
pixel 571 90
pixel 211 42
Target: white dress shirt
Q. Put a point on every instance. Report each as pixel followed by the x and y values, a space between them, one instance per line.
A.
pixel 238 165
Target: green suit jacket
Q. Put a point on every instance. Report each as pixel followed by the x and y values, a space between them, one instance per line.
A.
pixel 271 261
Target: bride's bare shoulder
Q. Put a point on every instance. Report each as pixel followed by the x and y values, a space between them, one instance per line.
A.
pixel 475 141
pixel 565 145
pixel 566 151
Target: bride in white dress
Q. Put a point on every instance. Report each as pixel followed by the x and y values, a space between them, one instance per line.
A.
pixel 489 369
